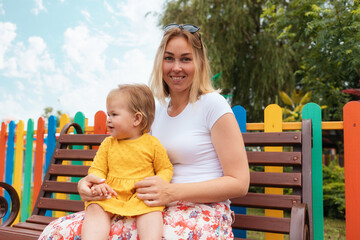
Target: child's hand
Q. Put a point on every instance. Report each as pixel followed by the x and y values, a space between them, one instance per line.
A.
pixel 103 189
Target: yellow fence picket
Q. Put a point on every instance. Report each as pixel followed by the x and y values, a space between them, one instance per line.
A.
pixel 273 123
pixel 18 166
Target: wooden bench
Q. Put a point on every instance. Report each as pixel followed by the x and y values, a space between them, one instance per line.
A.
pixel 299 203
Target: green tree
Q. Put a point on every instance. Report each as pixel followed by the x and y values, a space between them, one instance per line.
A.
pixel 324 38
pixel 254 64
pixel 48 111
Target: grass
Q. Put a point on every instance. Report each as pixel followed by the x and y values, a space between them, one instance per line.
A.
pixel 334 229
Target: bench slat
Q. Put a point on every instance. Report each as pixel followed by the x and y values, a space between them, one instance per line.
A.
pixel 40 219
pixel 82 139
pixel 30 226
pixel 75 154
pixel 272 138
pixel 262 223
pixel 269 201
pixel 61 205
pixel 274 179
pixel 274 158
pixel 68 170
pixel 19 233
pixel 60 187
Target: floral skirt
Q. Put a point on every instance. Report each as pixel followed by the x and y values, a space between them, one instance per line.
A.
pixel 182 220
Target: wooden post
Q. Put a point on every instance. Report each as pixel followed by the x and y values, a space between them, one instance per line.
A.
pixel 273 123
pixel 2 152
pixel 240 115
pixel 313 111
pixel 79 119
pixel 39 158
pixel 18 164
pixel 9 171
pixel 50 146
pixel 352 168
pixel 27 170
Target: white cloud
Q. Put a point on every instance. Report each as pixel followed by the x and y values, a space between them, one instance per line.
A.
pixel 7 35
pixel 24 107
pixel 2 11
pixel 136 67
pixel 108 7
pixel 140 23
pixel 87 15
pixel 20 86
pixel 38 7
pixel 29 61
pixel 57 83
pixel 86 49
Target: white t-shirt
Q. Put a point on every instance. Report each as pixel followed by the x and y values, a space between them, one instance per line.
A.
pixel 187 138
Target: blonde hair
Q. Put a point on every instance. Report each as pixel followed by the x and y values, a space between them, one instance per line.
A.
pixel 201 82
pixel 139 100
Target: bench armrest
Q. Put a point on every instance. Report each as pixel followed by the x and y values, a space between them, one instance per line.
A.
pixel 299 222
pixel 4 205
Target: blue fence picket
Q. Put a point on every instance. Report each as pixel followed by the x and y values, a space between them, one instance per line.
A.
pixel 50 146
pixel 10 151
pixel 240 115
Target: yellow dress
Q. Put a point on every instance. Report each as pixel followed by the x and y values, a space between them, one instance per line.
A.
pixel 123 163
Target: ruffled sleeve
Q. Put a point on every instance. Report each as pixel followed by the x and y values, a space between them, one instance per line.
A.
pixel 162 165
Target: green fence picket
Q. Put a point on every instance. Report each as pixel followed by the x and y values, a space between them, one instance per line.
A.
pixel 27 170
pixel 313 111
pixel 79 119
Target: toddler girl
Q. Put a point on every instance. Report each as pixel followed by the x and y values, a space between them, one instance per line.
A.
pixel 128 156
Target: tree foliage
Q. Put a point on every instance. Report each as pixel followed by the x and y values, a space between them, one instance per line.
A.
pixel 334 191
pixel 263 47
pixel 253 63
pixel 292 111
pixel 48 111
pixel 324 37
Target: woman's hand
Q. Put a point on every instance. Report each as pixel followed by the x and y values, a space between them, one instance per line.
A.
pixel 154 191
pixel 84 188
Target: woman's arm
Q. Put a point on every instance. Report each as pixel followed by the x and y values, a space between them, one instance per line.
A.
pixel 229 146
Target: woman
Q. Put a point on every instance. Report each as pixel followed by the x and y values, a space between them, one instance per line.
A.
pixel 204 143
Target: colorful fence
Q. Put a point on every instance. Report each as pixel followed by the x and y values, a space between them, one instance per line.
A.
pixel 23 162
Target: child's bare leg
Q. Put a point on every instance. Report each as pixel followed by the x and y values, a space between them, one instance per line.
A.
pixel 96 223
pixel 150 226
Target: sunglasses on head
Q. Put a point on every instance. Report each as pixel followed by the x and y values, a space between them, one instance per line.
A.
pixel 188 27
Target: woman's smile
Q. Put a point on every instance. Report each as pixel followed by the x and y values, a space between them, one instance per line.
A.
pixel 178 65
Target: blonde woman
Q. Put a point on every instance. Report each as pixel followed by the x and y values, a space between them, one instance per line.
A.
pixel 203 141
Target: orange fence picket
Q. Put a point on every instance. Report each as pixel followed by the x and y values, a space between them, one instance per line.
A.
pixel 352 169
pixel 39 158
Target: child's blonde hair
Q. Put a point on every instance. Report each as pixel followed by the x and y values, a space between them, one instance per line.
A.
pixel 139 100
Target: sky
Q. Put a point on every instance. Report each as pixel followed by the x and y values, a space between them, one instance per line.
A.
pixel 68 54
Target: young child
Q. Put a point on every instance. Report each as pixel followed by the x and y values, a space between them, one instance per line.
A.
pixel 129 155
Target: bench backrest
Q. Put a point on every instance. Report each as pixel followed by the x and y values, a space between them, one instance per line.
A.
pixel 294 156
pixel 79 150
